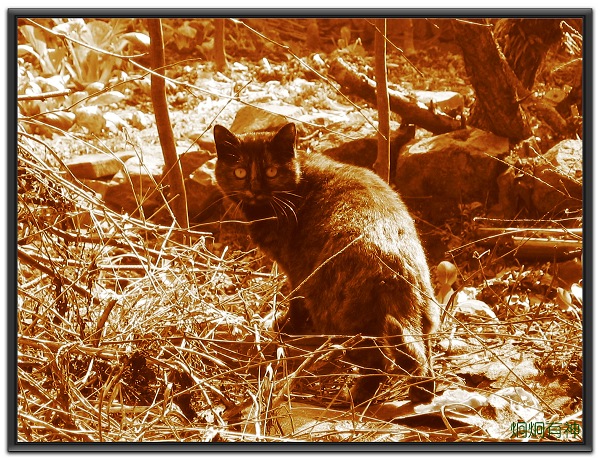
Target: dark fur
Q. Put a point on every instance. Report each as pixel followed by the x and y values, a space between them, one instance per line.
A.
pixel 348 246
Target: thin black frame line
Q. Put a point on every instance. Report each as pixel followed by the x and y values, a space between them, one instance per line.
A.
pixel 584 13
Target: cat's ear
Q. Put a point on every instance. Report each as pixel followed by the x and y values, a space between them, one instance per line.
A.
pixel 285 139
pixel 226 142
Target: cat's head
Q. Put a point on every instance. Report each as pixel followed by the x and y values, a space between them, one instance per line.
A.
pixel 257 168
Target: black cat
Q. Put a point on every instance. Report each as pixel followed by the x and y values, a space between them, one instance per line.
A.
pixel 348 246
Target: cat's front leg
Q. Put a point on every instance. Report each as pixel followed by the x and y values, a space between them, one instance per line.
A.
pixel 296 321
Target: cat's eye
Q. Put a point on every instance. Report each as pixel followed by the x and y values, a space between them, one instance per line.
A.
pixel 240 173
pixel 271 172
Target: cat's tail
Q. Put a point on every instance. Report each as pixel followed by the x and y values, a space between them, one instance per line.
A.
pixel 410 350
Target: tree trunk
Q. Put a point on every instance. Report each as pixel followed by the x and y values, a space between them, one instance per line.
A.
pixel 525 43
pixel 220 57
pixel 497 108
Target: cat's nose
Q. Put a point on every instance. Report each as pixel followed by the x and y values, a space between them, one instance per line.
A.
pixel 255 187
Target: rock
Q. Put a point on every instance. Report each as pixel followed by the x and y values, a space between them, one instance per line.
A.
pixel 358 152
pixel 557 186
pixel 139 183
pixel 456 346
pixel 339 127
pixel 363 152
pixel 550 185
pixel 567 156
pixel 264 118
pixel 458 399
pixel 448 102
pixel 136 186
pixel 106 98
pixel 475 311
pixel 138 119
pixel 145 173
pixel 97 165
pixel 515 403
pixel 555 193
pixel 436 174
pixel 114 123
pixel 90 118
pixel 203 194
pixel 191 161
pixel 204 141
pixel 62 119
pixel 327 119
pixel 98 186
pixel 511 369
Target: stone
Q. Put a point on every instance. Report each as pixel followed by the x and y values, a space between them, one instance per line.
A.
pixel 204 196
pixel 98 186
pixel 553 192
pixel 136 186
pixel 448 102
pixel 557 183
pixel 363 152
pixel 204 141
pixel 90 118
pixel 191 161
pixel 266 117
pixel 437 174
pixel 97 165
pixel 358 152
pixel 567 156
pixel 138 179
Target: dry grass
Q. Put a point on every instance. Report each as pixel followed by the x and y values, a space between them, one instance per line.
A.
pixel 118 326
pixel 127 334
pixel 131 331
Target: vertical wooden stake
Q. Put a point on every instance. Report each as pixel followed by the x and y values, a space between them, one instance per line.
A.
pixel 173 174
pixel 382 164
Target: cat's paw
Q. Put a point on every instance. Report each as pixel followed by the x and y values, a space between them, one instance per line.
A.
pixel 365 388
pixel 275 322
pixel 422 390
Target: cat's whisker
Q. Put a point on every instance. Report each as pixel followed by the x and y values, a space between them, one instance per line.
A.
pixel 285 205
pixel 275 202
pixel 287 192
pixel 225 198
pixel 235 203
pixel 272 203
pixel 292 206
pixel 285 208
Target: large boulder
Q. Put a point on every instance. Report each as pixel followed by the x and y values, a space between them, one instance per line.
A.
pixel 266 117
pixel 139 183
pixel 363 152
pixel 136 186
pixel 97 165
pixel 557 182
pixel 437 174
pixel 204 197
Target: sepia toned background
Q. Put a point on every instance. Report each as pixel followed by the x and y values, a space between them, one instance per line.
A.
pixel 141 316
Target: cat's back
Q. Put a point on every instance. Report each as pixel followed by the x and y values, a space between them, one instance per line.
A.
pixel 346 198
